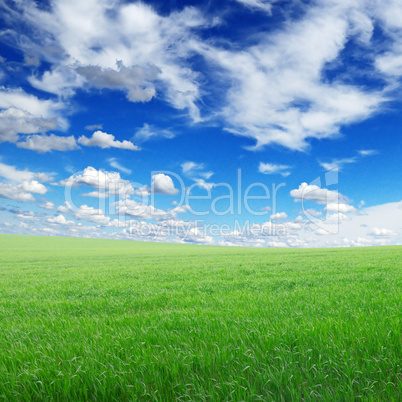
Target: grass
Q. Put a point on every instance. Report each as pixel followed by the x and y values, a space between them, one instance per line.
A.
pixel 84 319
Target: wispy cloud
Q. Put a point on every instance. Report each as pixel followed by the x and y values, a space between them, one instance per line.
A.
pixel 148 132
pixel 260 5
pixel 197 172
pixel 271 168
pixel 368 152
pixel 114 163
pixel 340 163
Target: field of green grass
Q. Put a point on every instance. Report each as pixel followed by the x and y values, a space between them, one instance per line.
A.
pixel 84 319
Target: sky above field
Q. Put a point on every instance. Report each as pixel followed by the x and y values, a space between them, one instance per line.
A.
pixel 242 122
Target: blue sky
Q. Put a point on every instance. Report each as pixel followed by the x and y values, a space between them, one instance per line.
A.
pixel 116 115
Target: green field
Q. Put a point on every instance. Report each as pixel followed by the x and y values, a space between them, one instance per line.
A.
pixel 84 319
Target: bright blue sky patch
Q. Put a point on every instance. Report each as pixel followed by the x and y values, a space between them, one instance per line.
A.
pixel 282 117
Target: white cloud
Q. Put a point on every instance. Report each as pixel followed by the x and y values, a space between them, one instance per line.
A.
pixel 258 4
pixel 114 163
pixel 337 163
pixel 92 127
pixel 293 226
pixel 384 221
pixel 27 217
pixel 148 132
pixel 14 121
pixel 48 205
pixel 94 215
pixel 24 113
pixel 10 172
pixel 315 193
pixel 34 187
pixel 312 212
pixel 280 244
pixel 61 81
pixel 60 220
pixel 64 209
pixel 339 207
pixel 104 140
pixel 22 191
pixel 136 51
pixel 19 99
pixel 141 210
pixel 197 172
pixel 367 152
pixel 110 181
pixel 377 232
pixel 278 89
pixel 322 232
pixel 270 168
pixel 194 235
pixel 163 184
pixel 15 192
pixel 96 194
pixel 279 215
pixel 47 143
pixel 203 184
pixel 389 62
pixel 279 92
pixel 135 80
pixel 190 168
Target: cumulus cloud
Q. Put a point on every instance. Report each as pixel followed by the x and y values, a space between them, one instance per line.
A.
pixel 339 207
pixel 141 210
pixel 14 121
pixel 47 143
pixel 110 181
pixel 95 215
pixel 163 184
pixel 136 80
pixel 315 193
pixel 23 183
pixel 10 172
pixel 48 205
pixel 34 187
pixel 23 191
pixel 64 209
pixel 381 232
pixel 279 215
pixel 15 192
pixel 60 220
pixel 311 212
pixel 96 194
pixel 23 113
pixel 105 140
pixel 270 168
